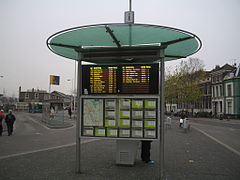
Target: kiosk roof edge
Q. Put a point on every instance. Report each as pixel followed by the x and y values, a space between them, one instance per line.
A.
pixel 119 42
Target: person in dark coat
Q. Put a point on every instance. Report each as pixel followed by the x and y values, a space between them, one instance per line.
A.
pixel 70 112
pixel 10 119
pixel 145 153
pixel 2 116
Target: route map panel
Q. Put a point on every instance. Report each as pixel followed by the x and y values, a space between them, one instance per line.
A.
pixel 120 117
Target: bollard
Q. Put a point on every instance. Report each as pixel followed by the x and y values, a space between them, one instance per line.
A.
pixel 186 125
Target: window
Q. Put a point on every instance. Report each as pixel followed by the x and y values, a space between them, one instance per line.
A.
pixel 209 103
pixel 229 90
pixel 213 92
pixel 221 107
pixel 36 95
pixel 205 89
pixel 220 88
pixel 209 90
pixel 217 91
pixel 26 96
pixel 214 79
pixel 221 78
pixel 229 108
pixel 46 96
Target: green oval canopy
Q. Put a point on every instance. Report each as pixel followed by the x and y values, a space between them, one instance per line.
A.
pixel 121 43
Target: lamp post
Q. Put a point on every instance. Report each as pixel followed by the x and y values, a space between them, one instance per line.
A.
pixel 72 99
pixel 1 76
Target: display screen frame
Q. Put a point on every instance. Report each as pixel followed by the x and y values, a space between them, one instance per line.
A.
pixel 119 86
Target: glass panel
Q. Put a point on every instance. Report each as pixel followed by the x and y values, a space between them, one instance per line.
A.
pixel 92 36
pixel 126 35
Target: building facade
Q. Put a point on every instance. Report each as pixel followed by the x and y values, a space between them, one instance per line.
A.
pixel 56 99
pixel 60 100
pixel 204 104
pixel 217 77
pixel 232 94
pixel 220 94
pixel 33 95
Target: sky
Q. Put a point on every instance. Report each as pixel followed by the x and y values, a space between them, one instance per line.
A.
pixel 25 26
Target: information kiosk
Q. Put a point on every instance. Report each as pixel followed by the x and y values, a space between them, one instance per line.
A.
pixel 121 96
pixel 125 113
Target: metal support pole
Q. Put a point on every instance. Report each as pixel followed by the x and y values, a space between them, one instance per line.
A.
pixel 162 111
pixel 74 89
pixel 49 87
pixel 130 5
pixel 78 124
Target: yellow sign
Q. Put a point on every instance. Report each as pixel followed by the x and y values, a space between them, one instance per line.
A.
pixel 54 80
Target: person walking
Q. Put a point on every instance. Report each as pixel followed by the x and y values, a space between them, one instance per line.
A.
pixel 182 117
pixel 10 119
pixel 2 116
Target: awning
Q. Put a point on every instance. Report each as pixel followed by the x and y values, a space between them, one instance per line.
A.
pixel 123 43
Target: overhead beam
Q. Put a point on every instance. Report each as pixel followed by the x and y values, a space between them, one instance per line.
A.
pixel 64 45
pixel 175 41
pixel 106 49
pixel 121 54
pixel 172 56
pixel 123 48
pixel 115 40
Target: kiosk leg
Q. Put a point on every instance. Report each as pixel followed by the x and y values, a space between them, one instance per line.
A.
pixel 162 116
pixel 78 124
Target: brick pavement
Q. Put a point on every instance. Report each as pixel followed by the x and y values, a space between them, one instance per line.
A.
pixel 187 156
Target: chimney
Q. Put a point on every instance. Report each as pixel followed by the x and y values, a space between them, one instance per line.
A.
pixel 238 71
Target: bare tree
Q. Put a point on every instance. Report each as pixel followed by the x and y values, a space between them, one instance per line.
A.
pixel 182 84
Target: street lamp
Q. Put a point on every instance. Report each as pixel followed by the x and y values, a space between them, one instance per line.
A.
pixel 71 92
pixel 1 76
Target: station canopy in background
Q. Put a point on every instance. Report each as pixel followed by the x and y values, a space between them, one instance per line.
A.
pixel 102 43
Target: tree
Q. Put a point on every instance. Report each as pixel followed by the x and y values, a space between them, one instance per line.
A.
pixel 182 84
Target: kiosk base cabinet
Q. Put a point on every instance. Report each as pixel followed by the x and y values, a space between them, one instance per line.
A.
pixel 126 152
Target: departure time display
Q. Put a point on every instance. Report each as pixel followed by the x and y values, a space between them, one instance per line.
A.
pixel 103 80
pixel 120 79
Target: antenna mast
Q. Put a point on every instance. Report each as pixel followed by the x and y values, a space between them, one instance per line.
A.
pixel 129 15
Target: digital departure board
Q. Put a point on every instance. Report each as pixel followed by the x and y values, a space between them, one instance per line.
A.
pixel 120 79
pixel 136 79
pixel 103 80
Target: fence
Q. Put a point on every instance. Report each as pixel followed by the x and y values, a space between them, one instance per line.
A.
pixel 54 117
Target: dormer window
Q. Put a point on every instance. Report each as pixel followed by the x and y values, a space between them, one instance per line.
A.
pixel 36 95
pixel 26 96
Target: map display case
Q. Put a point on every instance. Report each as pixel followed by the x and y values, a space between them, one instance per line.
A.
pixel 122 117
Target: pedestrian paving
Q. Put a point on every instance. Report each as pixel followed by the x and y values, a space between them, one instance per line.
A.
pixel 59 121
pixel 188 155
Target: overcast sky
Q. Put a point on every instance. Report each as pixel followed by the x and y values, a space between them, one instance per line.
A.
pixel 25 25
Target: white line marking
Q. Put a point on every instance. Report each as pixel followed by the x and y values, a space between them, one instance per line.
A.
pixel 45 149
pixel 216 140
